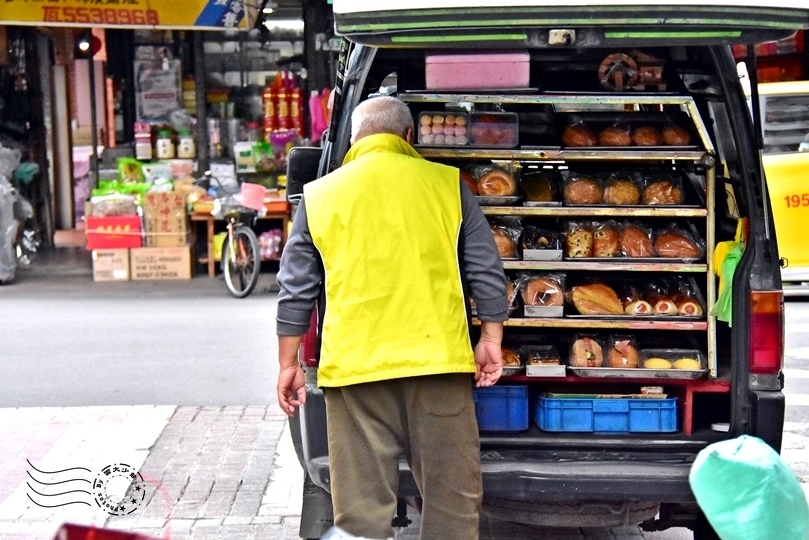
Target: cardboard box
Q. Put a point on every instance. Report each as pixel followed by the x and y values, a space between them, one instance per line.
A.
pixel 113 232
pixel 151 263
pixel 166 219
pixel 110 265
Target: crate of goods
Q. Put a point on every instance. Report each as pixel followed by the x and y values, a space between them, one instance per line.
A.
pixel 166 219
pixel 113 232
pixel 581 413
pixel 486 70
pixel 502 408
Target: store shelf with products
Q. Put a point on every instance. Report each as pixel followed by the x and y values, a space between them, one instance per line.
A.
pixel 540 149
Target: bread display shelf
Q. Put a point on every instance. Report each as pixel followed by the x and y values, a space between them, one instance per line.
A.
pixel 596 211
pixel 638 373
pixel 592 323
pixel 625 265
pixel 560 154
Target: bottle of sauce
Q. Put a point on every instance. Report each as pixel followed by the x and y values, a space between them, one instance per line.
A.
pixel 269 98
pixel 296 105
pixel 284 117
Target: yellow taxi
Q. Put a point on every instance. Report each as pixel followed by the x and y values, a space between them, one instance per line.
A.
pixel 785 122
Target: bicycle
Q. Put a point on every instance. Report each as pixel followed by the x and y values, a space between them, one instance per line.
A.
pixel 241 255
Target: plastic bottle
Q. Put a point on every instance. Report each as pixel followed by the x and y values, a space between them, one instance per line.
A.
pixel 164 145
pixel 283 113
pixel 296 105
pixel 269 99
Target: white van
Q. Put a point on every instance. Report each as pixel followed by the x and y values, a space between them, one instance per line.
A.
pixel 573 449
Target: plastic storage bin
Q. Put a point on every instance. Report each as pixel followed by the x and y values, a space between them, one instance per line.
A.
pixel 506 69
pixel 607 415
pixel 502 408
pixel 494 129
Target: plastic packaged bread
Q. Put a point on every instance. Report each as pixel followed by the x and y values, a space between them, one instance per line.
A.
pixel 606 240
pixel 623 352
pixel 596 299
pixel 586 351
pixel 546 290
pixel 581 189
pixel 675 243
pixel 636 241
pixel 579 240
pixel 496 182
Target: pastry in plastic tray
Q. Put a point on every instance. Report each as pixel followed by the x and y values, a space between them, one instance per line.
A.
pixel 494 129
pixel 443 128
pixel 543 355
pixel 662 191
pixel 506 246
pixel 635 241
pixel 678 359
pixel 579 240
pixel 510 357
pixel 621 191
pixel 496 182
pixel 623 352
pixel 674 135
pixel 616 135
pixel 578 135
pixel 536 238
pixel 646 136
pixel 606 240
pixel 674 243
pixel 581 189
pixel 586 351
pixel 469 179
pixel 596 299
pixel 545 290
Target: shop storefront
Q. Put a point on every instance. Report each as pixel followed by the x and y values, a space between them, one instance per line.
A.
pixel 164 91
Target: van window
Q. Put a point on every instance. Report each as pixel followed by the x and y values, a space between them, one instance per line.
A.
pixel 786 123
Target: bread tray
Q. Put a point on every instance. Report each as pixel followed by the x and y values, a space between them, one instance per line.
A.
pixel 630 260
pixel 639 373
pixel 542 254
pixel 497 201
pixel 625 317
pixel 540 204
pixel 633 148
pixel 545 370
pixel 512 370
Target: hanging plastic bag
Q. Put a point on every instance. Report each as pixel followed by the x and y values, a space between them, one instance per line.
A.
pixel 747 492
pixel 726 258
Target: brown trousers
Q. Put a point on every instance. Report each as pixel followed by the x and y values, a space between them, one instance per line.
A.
pixel 429 419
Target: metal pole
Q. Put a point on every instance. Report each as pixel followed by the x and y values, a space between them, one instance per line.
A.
pixel 93 124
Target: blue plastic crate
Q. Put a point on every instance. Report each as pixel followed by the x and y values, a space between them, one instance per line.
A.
pixel 502 408
pixel 607 415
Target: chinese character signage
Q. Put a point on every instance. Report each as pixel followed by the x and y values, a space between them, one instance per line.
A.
pixel 129 13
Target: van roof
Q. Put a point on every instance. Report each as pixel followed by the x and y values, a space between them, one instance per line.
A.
pixel 524 23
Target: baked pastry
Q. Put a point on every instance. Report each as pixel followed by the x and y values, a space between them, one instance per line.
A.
pixel 579 242
pixel 691 364
pixel 646 136
pixel 638 307
pixel 586 352
pixel 583 190
pixel 511 295
pixel 662 192
pixel 537 187
pixel 469 179
pixel 689 308
pixel 665 306
pixel 676 244
pixel 674 135
pixel 657 363
pixel 635 241
pixel 536 238
pixel 510 358
pixel 487 129
pixel 605 240
pixel 620 192
pixel 623 354
pixel 497 182
pixel 596 299
pixel 578 135
pixel 614 136
pixel 543 358
pixel 541 291
pixel 506 246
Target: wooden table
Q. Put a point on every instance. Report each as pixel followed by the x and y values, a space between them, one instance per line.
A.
pixel 282 216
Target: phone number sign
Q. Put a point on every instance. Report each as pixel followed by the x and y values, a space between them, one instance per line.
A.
pixel 127 13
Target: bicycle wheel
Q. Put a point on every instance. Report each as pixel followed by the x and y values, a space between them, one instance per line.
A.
pixel 241 261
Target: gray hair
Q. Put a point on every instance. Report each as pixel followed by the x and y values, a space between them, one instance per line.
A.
pixel 384 114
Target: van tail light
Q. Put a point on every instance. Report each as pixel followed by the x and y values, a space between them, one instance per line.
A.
pixel 766 332
pixel 308 350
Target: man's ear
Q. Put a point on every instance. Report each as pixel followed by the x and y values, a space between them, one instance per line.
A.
pixel 409 136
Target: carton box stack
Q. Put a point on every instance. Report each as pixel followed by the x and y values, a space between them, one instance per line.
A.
pixel 166 220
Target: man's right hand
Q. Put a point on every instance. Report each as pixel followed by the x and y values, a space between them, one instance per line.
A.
pixel 489 354
pixel 291 388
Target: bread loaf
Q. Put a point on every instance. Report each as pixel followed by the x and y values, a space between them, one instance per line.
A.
pixel 635 241
pixel 646 136
pixel 578 135
pixel 638 307
pixel 586 352
pixel 497 182
pixel 676 244
pixel 605 241
pixel 662 192
pixel 579 242
pixel 506 246
pixel 510 357
pixel 674 135
pixel 583 190
pixel 469 179
pixel 623 354
pixel 596 299
pixel 540 291
pixel 621 192
pixel 614 136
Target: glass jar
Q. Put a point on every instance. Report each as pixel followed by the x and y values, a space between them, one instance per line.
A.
pixel 186 146
pixel 164 145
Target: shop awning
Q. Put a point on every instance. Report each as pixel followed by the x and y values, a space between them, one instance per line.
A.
pixel 158 14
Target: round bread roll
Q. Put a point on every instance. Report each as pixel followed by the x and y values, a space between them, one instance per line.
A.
pixel 620 192
pixel 583 190
pixel 510 358
pixel 578 135
pixel 586 352
pixel 675 136
pixel 664 306
pixel 605 241
pixel 691 364
pixel 497 183
pixel 623 355
pixel 657 363
pixel 689 308
pixel 539 291
pixel 506 246
pixel 635 242
pixel 638 307
pixel 646 136
pixel 614 136
pixel 579 243
pixel 469 179
pixel 675 244
pixel 662 192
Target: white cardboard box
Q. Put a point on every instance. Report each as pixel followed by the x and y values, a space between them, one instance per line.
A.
pixel 111 264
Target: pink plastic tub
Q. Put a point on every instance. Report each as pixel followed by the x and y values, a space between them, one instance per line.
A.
pixel 490 70
pixel 252 195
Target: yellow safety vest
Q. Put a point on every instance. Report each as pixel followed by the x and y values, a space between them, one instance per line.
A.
pixel 387 225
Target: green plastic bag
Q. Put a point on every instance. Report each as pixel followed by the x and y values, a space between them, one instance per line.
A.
pixel 747 492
